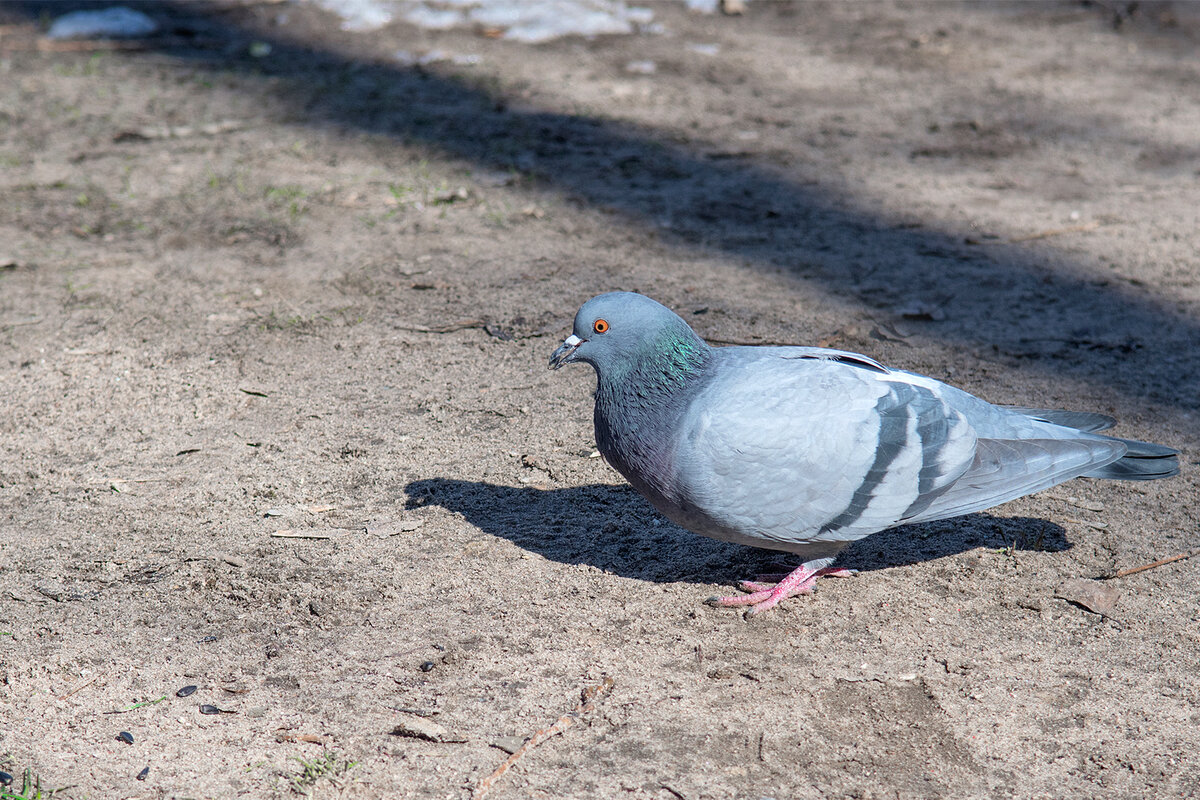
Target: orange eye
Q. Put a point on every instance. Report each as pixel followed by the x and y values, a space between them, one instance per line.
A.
pixel 600 326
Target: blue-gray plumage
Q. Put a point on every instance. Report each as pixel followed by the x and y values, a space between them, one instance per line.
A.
pixel 806 449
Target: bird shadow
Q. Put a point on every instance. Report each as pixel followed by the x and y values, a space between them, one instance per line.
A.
pixel 613 528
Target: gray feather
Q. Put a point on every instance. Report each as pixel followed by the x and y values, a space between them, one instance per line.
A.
pixel 1079 420
pixel 1004 470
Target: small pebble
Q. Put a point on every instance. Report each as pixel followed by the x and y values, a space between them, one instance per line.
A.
pixel 186 691
pixel 141 776
pixel 428 666
pixel 5 779
pixel 126 737
pixel 207 709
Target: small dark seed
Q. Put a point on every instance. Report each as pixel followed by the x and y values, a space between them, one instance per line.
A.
pixel 185 691
pixel 207 709
pixel 141 776
pixel 126 737
pixel 5 779
pixel 428 666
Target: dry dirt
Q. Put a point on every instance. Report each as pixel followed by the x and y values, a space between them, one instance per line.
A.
pixel 314 290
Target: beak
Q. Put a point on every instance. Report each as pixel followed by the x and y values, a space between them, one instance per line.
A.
pixel 565 353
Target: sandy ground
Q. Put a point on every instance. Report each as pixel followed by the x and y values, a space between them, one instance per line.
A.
pixel 313 291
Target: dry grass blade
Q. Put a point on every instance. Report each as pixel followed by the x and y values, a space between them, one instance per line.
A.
pixel 79 688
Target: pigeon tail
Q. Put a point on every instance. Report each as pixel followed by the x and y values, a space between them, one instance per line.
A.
pixel 1142 461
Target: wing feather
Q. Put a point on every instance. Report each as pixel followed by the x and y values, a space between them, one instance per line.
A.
pixel 792 450
pixel 1005 469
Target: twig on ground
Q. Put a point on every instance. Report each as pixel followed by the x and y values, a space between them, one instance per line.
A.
pixel 1090 226
pixel 330 533
pixel 307 738
pixel 1195 551
pixel 450 327
pixel 587 701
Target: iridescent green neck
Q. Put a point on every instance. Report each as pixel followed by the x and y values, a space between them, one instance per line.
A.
pixel 663 365
pixel 676 357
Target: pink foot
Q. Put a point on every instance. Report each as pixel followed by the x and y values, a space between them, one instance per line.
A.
pixel 763 596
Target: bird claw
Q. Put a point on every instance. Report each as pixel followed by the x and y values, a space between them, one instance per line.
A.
pixel 763 596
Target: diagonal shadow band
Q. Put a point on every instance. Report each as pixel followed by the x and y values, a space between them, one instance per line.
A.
pixel 1142 345
pixel 614 529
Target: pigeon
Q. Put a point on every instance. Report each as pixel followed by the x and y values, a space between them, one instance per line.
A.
pixel 806 449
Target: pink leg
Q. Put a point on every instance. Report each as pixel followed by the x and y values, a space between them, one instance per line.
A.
pixel 763 596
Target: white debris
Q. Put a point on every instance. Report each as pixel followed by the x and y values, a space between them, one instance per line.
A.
pixel 434 19
pixel 408 59
pixel 536 21
pixel 528 21
pixel 359 15
pixel 117 22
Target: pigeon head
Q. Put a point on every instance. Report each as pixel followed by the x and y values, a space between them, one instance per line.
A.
pixel 621 333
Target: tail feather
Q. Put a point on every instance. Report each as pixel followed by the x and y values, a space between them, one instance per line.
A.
pixel 1143 461
pixel 1084 421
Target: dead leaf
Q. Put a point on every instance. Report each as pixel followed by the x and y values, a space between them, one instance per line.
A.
pixel 1099 598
